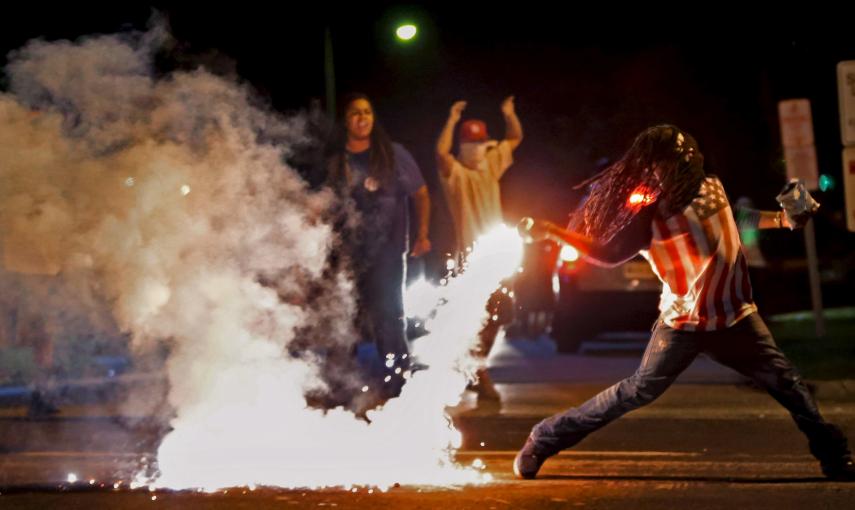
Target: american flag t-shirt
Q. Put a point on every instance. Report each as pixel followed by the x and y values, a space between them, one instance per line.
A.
pixel 698 257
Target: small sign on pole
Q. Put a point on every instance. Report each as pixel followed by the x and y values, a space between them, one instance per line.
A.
pixel 846 92
pixel 849 186
pixel 798 141
pixel 800 157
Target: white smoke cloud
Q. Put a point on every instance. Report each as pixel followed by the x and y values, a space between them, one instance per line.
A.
pixel 169 198
pixel 159 194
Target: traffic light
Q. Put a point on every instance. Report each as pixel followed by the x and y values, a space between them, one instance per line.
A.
pixel 827 182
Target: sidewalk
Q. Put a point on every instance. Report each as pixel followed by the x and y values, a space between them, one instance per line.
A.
pixel 512 363
pixel 526 362
pixel 533 361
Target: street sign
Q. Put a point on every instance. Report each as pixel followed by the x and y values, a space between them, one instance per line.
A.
pixel 801 164
pixel 797 138
pixel 846 93
pixel 849 186
pixel 796 123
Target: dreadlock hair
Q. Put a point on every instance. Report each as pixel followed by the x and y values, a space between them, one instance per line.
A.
pixel 381 158
pixel 609 208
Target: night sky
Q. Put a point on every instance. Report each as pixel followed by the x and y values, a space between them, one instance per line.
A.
pixel 586 81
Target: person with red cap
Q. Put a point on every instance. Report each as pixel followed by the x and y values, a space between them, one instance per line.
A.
pixel 470 181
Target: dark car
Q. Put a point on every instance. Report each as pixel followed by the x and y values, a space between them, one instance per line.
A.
pixel 615 306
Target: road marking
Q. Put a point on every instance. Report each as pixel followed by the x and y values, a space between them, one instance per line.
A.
pixel 582 453
pixel 488 453
pixel 82 454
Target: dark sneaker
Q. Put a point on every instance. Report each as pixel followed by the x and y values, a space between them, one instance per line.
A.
pixel 485 389
pixel 840 471
pixel 529 459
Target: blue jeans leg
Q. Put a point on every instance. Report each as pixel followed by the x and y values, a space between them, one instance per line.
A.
pixel 749 348
pixel 668 353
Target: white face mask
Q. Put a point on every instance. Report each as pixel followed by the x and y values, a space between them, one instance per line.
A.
pixel 474 154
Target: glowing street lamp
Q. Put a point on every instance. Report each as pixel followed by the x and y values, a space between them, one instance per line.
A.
pixel 406 32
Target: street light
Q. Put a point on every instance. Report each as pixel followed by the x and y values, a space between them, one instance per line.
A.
pixel 826 182
pixel 406 32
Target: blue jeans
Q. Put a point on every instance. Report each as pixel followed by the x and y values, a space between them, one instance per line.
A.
pixel 380 284
pixel 747 347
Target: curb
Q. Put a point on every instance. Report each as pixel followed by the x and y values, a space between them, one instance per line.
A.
pixel 837 389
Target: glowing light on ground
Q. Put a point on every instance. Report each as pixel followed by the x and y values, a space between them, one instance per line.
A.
pixel 252 426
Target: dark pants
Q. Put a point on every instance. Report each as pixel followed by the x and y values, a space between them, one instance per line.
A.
pixel 381 305
pixel 500 313
pixel 747 347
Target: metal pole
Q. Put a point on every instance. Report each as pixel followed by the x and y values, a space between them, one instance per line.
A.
pixel 813 273
pixel 329 73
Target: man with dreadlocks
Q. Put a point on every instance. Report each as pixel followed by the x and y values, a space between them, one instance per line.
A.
pixel 657 200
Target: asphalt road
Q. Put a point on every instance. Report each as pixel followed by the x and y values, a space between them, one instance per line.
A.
pixel 699 446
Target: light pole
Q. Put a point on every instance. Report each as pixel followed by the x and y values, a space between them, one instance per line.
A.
pixel 329 73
